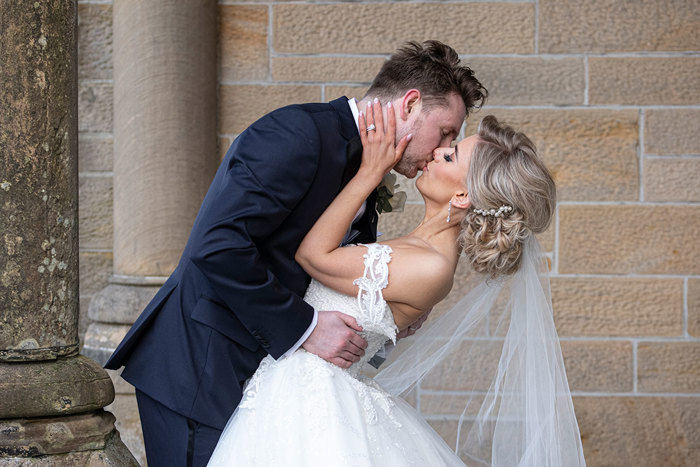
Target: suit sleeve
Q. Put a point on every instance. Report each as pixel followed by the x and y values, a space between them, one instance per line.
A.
pixel 274 164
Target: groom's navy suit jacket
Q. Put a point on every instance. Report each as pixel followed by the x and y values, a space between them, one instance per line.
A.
pixel 235 295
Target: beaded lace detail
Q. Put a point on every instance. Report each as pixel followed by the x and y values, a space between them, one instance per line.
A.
pixel 291 403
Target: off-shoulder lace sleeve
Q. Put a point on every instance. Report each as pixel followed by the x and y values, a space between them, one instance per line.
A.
pixel 374 312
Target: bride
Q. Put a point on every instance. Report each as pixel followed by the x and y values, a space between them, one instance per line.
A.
pixel 484 199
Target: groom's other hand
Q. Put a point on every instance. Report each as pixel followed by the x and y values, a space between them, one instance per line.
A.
pixel 335 339
pixel 411 330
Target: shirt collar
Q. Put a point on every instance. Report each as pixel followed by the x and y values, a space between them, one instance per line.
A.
pixel 355 112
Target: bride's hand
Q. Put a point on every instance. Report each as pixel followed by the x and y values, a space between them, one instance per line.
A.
pixel 379 152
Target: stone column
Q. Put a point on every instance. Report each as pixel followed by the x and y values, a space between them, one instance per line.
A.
pixel 52 398
pixel 165 156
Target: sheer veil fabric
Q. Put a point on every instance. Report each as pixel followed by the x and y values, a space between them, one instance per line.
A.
pixel 517 403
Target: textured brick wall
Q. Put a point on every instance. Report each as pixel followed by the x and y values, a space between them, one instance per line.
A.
pixel 610 93
pixel 95 149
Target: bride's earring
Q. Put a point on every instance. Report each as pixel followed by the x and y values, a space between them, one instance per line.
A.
pixel 449 210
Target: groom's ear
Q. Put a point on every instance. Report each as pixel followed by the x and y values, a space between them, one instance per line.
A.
pixel 410 103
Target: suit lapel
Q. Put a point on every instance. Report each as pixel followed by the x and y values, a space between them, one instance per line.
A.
pixel 353 161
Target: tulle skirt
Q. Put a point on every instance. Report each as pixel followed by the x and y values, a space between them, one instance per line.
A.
pixel 304 411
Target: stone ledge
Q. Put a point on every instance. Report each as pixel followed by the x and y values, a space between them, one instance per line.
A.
pixel 60 387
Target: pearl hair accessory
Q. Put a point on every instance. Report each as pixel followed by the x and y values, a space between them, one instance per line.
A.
pixel 494 212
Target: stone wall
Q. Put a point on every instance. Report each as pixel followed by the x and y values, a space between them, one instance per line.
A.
pixel 610 93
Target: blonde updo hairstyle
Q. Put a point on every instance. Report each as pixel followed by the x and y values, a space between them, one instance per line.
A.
pixel 504 170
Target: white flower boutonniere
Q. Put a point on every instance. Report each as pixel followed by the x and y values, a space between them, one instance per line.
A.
pixel 388 199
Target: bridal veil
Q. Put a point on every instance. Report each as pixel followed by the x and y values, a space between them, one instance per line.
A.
pixel 517 407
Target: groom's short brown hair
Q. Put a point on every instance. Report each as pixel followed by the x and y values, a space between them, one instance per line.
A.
pixel 434 69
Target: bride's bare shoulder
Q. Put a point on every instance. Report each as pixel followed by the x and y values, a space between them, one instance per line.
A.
pixel 420 276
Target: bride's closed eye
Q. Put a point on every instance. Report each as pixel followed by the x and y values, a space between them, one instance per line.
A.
pixel 447 157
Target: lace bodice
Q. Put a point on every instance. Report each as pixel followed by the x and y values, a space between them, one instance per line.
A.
pixel 369 307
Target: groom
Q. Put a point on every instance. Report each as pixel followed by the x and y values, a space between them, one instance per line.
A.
pixel 236 294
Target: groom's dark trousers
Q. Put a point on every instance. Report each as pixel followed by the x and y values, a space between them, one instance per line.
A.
pixel 235 295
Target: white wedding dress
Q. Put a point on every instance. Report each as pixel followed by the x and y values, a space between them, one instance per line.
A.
pixel 304 411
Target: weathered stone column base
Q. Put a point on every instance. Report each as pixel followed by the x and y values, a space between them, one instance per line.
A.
pixel 71 440
pixel 128 422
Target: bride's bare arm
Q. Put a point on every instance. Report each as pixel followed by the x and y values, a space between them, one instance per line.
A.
pixel 319 253
pixel 419 277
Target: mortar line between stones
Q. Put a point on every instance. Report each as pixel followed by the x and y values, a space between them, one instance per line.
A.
pixel 487 108
pixel 95 174
pixel 555 267
pixel 630 339
pixel 627 275
pixel 612 203
pixel 440 392
pixel 573 393
pixel 630 203
pixel 419 391
pixel 96 81
pixel 336 2
pixel 685 307
pixel 635 372
pixel 269 43
pixel 585 80
pixel 544 56
pixel 95 135
pixel 537 27
pixel 671 157
pixel 642 116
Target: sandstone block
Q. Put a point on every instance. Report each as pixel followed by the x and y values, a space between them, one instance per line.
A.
pixel 223 144
pixel 94 153
pixel 639 431
pixel 531 81
pixel 469 28
pixel 671 131
pixel 435 404
pixel 694 307
pixel 83 319
pixel 334 92
pixel 672 179
pixel 120 303
pixel 121 386
pixel 668 367
pixel 101 339
pixel 394 225
pixel 95 106
pixel 241 105
pixel 598 366
pixel 617 306
pixel 50 388
pixel 95 269
pixel 129 425
pixel 461 374
pixel 644 80
pixel 243 50
pixel 592 154
pixel 95 41
pixel 95 212
pixel 326 69
pixel 608 240
pixel 571 26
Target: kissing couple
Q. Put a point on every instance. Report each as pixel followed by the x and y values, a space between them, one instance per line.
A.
pixel 251 353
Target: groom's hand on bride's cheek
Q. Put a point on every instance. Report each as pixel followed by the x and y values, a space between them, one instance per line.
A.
pixel 335 339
